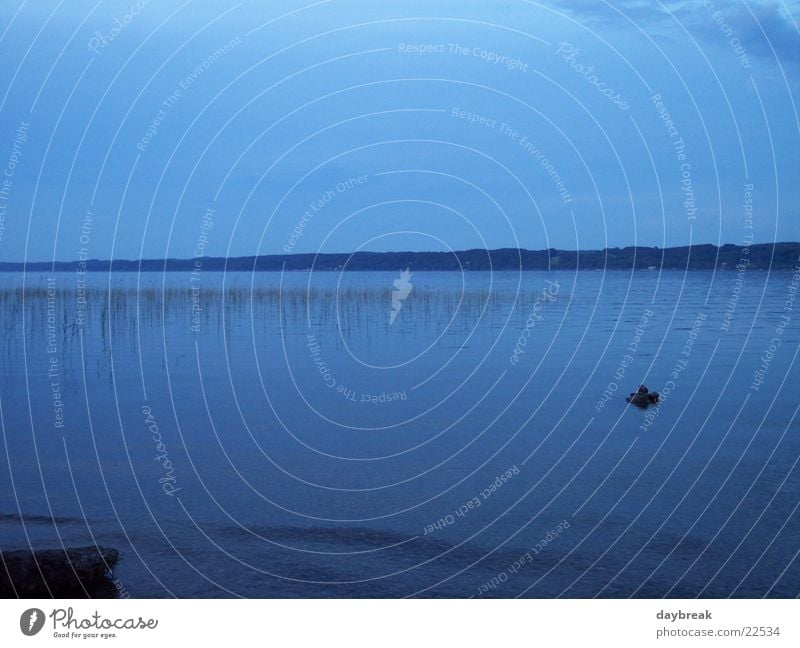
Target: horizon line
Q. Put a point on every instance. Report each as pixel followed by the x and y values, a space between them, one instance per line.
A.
pixel 352 254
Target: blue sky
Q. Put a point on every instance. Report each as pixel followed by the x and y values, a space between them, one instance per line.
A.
pixel 132 128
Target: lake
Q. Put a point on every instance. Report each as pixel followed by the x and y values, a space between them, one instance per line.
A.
pixel 374 434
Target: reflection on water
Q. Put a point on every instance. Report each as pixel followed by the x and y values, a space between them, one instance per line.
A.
pixel 302 435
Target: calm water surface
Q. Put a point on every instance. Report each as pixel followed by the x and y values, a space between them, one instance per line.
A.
pixel 278 435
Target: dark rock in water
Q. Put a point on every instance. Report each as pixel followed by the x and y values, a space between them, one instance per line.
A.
pixel 44 573
pixel 642 397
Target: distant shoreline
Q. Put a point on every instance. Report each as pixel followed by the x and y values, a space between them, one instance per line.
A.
pixel 777 256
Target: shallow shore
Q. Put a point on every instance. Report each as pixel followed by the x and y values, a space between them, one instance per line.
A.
pixel 80 572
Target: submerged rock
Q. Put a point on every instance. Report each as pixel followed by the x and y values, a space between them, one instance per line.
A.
pixel 643 398
pixel 71 573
